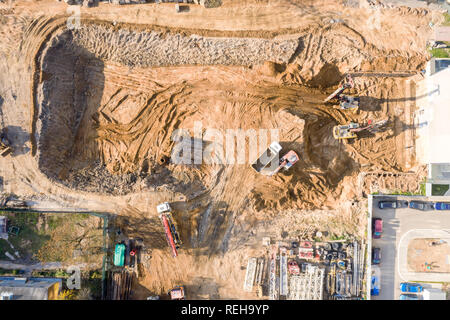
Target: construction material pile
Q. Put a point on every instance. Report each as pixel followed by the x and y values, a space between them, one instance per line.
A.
pixel 307 271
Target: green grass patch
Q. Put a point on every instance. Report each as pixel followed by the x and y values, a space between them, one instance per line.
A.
pixel 439 189
pixel 403 193
pixel 94 282
pixel 7 272
pixel 423 189
pixel 336 237
pixel 28 240
pixel 44 240
pixel 58 273
pixel 440 53
pixel 446 19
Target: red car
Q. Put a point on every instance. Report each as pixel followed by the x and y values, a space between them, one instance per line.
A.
pixel 377 227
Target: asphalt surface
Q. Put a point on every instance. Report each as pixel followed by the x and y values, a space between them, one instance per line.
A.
pixel 400 225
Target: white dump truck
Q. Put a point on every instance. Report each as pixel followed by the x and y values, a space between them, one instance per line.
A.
pixel 268 161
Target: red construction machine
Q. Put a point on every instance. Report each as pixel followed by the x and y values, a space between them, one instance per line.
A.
pixel 172 235
pixel 293 267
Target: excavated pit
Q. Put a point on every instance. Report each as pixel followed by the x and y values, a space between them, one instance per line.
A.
pixel 103 127
pixel 108 103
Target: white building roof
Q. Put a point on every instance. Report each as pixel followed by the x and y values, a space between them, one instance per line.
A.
pixel 434 294
pixel 433 118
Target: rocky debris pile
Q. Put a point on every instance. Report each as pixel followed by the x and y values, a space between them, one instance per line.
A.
pixel 148 49
pixel 91 3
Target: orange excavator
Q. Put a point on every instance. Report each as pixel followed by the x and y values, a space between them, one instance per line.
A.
pixel 287 161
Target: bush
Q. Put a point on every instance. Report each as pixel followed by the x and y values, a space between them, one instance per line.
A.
pixel 439 189
pixel 446 19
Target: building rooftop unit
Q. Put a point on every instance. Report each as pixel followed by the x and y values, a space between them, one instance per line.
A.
pixel 432 127
pixel 13 288
pixel 434 294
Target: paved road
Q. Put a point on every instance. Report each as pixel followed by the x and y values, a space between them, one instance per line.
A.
pixel 396 224
pixel 30 267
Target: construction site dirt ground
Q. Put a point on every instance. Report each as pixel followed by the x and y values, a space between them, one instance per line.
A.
pixel 91 110
pixel 421 255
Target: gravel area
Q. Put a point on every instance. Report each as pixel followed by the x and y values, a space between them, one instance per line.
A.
pixel 148 49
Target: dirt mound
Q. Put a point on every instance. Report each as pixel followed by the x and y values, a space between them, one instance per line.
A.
pixel 270 69
pixel 328 76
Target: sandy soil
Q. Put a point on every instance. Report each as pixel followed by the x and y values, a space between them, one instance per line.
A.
pixel 91 111
pixel 437 257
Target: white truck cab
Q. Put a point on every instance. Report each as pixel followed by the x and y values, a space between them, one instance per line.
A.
pixel 163 207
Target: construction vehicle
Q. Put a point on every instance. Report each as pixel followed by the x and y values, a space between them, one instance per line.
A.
pixel 177 293
pixel 348 102
pixel 348 83
pixel 349 131
pixel 261 165
pixel 375 281
pixel 287 161
pixel 133 252
pixel 345 131
pixel 170 229
pixel 293 267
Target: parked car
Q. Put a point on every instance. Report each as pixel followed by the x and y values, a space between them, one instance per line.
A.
pixel 419 205
pixel 441 206
pixel 375 281
pixel 377 227
pixel 409 297
pixel 392 204
pixel 376 255
pixel 410 287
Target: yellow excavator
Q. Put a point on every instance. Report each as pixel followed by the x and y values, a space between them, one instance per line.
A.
pixel 349 131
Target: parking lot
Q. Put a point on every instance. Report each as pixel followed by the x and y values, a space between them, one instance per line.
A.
pixel 399 227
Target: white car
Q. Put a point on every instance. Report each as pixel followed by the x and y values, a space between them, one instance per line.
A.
pixel 163 207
